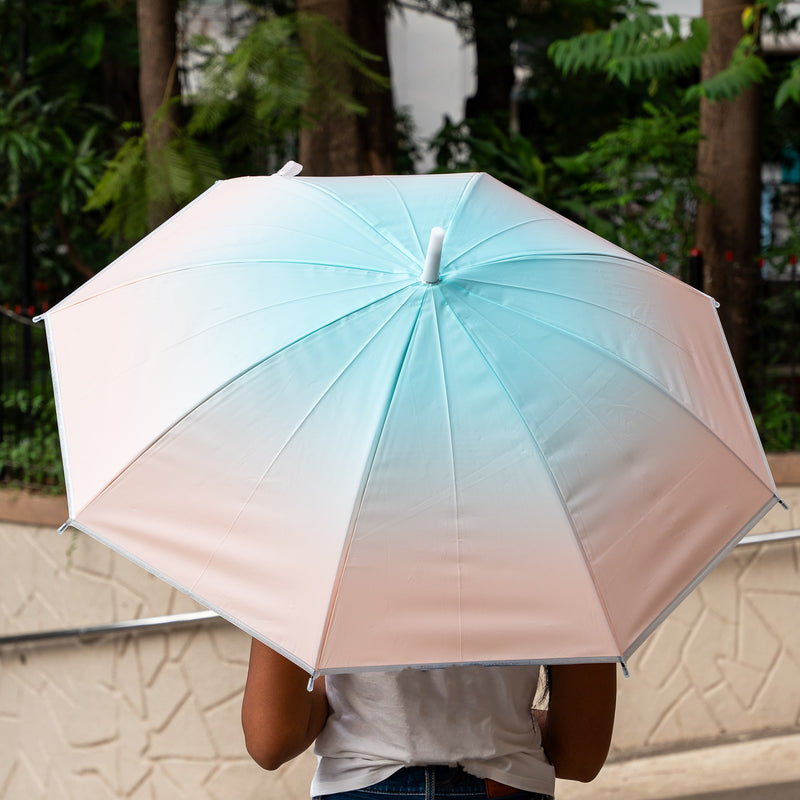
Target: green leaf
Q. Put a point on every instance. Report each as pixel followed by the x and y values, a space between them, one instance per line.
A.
pixel 746 68
pixel 643 47
pixel 90 49
pixel 789 89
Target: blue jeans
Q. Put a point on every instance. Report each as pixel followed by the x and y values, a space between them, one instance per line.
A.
pixel 429 783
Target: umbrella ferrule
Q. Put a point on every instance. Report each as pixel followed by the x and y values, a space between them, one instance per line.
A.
pixel 433 258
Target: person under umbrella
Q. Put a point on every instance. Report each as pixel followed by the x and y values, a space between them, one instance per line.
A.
pixel 459 731
pixel 520 445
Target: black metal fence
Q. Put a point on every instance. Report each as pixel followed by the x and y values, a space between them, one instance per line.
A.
pixel 29 448
pixel 774 381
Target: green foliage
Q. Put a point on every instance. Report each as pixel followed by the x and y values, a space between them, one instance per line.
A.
pixel 39 145
pixel 745 69
pixel 50 164
pixel 325 45
pixel 774 378
pixel 33 456
pixel 279 70
pixel 134 179
pixel 637 187
pixel 561 115
pixel 777 422
pixel 409 151
pixel 484 145
pixel 634 183
pixel 790 88
pixel 55 130
pixel 642 47
pixel 647 47
pixel 244 119
pixel 258 90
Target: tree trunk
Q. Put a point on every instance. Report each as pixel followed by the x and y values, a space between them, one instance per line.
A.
pixel 158 82
pixel 494 69
pixel 341 142
pixel 728 165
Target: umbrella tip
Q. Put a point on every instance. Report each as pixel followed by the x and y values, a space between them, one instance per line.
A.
pixel 433 258
pixel 290 169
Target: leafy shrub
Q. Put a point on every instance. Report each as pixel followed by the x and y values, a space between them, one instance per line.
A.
pixel 30 453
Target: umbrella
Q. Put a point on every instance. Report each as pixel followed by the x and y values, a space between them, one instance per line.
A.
pixel 413 420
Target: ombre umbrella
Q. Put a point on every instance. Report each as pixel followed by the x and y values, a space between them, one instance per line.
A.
pixel 417 420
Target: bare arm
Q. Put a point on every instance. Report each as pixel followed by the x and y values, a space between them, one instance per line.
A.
pixel 577 727
pixel 280 717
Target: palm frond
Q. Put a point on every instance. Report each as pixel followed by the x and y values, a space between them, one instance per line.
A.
pixel 642 47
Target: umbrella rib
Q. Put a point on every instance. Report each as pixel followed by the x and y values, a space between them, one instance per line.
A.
pixel 497 233
pixel 289 438
pixel 408 215
pixel 356 213
pixel 546 466
pixel 534 290
pixel 455 488
pixel 140 243
pixel 620 259
pixel 336 240
pixel 554 375
pixel 546 369
pixel 232 262
pixel 625 364
pixel 266 309
pixel 461 203
pixel 368 463
pixel 231 381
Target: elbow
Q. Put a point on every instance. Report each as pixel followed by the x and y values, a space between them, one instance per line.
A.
pixel 577 761
pixel 583 773
pixel 583 767
pixel 268 761
pixel 269 755
pixel 269 746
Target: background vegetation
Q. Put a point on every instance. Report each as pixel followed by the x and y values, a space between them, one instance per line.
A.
pixel 594 107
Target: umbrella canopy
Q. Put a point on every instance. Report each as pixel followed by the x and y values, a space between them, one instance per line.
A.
pixel 417 420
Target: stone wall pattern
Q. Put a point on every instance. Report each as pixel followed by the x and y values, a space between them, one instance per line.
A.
pixel 155 716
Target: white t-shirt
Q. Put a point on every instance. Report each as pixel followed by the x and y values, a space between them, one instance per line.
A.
pixel 476 716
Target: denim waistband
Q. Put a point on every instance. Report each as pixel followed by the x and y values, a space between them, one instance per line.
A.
pixel 431 783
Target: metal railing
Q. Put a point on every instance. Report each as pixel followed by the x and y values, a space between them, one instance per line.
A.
pixel 146 624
